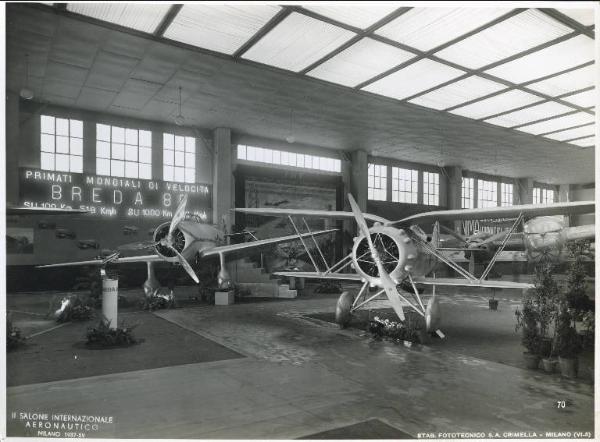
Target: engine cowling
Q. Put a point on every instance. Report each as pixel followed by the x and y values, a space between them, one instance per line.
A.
pixel 544 238
pixel 396 250
pixel 178 241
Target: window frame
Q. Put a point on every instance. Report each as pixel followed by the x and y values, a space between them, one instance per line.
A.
pixel 50 153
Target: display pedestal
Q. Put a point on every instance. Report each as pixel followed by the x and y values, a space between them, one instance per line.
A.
pixel 224 298
pixel 110 301
pixel 296 283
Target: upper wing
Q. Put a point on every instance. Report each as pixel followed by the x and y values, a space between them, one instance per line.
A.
pixel 476 283
pixel 97 262
pixel 315 275
pixel 259 243
pixel 528 210
pixel 267 211
pixel 42 211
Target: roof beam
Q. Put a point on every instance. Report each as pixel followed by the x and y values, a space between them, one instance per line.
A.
pixel 568 21
pixel 425 54
pixel 167 20
pixel 567 128
pixel 578 138
pixel 541 120
pixel 493 94
pixel 268 27
pixel 368 31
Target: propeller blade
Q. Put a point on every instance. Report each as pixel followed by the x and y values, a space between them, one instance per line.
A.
pixel 188 268
pixel 179 214
pixel 389 285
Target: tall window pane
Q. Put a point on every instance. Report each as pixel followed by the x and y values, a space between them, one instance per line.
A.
pixel 123 152
pixel 506 194
pixel 487 193
pixel 468 193
pixel 61 144
pixel 431 188
pixel 377 182
pixel 405 185
pixel 179 158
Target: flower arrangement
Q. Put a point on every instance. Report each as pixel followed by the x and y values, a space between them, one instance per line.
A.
pixel 395 331
pixel 103 336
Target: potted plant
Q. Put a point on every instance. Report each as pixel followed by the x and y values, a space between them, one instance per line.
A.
pixel 567 344
pixel 545 299
pixel 527 321
pixel 493 303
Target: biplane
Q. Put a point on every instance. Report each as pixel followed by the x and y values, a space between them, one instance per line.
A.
pixel 391 255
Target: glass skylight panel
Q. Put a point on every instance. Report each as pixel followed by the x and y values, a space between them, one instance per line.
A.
pixel 583 16
pixel 584 142
pixel 361 61
pixel 221 28
pixel 555 58
pixel 360 16
pixel 569 134
pixel 496 104
pixel 583 99
pixel 427 28
pixel 459 92
pixel 297 42
pixel 509 37
pixel 558 123
pixel 533 113
pixel 417 77
pixel 142 17
pixel 567 82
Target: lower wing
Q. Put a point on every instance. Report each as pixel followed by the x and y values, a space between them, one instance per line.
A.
pixel 315 275
pixel 461 282
pixel 98 262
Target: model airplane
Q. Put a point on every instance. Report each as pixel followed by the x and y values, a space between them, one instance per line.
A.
pixel 180 241
pixel 391 253
pixel 543 239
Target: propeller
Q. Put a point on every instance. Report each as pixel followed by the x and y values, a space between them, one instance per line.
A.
pixel 389 285
pixel 179 215
pixel 188 268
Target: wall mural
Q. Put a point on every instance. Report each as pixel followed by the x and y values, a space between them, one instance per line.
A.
pixel 280 195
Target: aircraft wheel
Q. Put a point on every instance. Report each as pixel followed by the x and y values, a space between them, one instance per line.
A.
pixel 342 309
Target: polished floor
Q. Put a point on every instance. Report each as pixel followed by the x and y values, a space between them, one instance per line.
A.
pixel 302 376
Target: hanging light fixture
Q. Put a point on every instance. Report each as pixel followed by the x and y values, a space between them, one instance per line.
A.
pixel 179 120
pixel 26 93
pixel 291 138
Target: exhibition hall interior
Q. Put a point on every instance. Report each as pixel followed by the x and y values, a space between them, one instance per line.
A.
pixel 318 220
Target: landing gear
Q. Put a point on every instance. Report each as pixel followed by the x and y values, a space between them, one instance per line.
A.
pixel 343 313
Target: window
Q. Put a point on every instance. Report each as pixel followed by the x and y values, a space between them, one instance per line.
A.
pixel 506 194
pixel 377 182
pixel 468 193
pixel 404 185
pixel 543 196
pixel 123 152
pixel 292 159
pixel 179 158
pixel 431 188
pixel 487 193
pixel 61 144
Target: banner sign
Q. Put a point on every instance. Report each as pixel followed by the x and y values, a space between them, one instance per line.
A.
pixel 471 226
pixel 112 196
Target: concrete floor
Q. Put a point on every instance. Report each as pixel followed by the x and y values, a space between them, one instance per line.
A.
pixel 304 376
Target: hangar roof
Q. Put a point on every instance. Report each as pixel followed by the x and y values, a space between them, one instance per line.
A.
pixel 493 89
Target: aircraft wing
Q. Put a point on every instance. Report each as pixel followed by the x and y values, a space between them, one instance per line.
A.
pixel 260 243
pixel 97 262
pixel 42 211
pixel 333 214
pixel 528 210
pixel 476 283
pixel 314 275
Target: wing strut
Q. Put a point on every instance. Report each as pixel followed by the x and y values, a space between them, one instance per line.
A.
pixel 317 246
pixel 304 244
pixel 501 248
